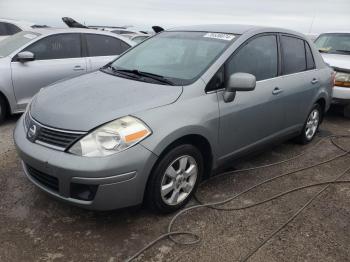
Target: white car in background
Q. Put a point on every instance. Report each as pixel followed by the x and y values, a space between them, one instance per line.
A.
pixel 335 50
pixel 33 59
pixel 11 27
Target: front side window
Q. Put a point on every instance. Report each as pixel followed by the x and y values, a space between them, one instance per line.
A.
pixel 258 57
pixel 56 47
pixel 179 56
pixel 293 54
pixel 100 45
pixel 334 43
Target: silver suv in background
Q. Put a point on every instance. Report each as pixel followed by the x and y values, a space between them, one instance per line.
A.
pixel 30 60
pixel 150 125
pixel 335 50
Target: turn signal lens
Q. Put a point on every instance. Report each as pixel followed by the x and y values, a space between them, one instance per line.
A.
pixel 342 79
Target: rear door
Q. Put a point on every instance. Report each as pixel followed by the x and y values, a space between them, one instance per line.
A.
pixel 299 81
pixel 253 117
pixel 56 57
pixel 102 49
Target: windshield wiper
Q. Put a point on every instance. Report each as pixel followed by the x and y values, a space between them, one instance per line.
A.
pixel 343 51
pixel 323 51
pixel 120 72
pixel 156 77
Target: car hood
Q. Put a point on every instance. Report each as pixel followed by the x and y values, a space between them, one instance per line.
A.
pixel 85 102
pixel 336 60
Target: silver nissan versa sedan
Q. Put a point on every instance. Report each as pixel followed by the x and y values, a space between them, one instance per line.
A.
pixel 154 122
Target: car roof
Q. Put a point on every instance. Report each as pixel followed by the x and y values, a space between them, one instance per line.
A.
pixel 336 32
pixel 19 23
pixel 52 31
pixel 220 28
pixel 233 29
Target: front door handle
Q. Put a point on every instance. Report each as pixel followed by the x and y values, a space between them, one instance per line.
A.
pixel 314 81
pixel 78 68
pixel 276 91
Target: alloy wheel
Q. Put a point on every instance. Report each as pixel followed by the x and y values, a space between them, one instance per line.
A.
pixel 312 124
pixel 179 180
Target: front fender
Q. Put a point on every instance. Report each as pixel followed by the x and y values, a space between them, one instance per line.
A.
pixel 193 116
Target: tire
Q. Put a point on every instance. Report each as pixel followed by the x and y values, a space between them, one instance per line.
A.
pixel 179 181
pixel 311 125
pixel 3 109
pixel 347 111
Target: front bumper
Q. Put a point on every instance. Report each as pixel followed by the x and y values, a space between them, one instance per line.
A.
pixel 341 95
pixel 120 178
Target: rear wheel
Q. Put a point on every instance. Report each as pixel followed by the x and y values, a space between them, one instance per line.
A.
pixel 3 109
pixel 175 179
pixel 311 125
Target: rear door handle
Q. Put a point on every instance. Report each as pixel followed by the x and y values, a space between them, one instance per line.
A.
pixel 78 68
pixel 314 81
pixel 276 91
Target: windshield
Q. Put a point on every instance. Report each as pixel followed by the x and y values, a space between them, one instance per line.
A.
pixel 12 43
pixel 334 43
pixel 180 57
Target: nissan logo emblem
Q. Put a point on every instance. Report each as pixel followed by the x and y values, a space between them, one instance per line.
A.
pixel 32 131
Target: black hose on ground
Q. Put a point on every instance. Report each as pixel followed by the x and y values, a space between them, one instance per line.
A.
pixel 216 205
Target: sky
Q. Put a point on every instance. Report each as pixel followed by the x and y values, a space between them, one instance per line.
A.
pixel 307 16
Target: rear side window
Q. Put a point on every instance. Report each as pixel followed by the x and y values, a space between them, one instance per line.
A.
pixel 57 47
pixel 293 53
pixel 310 62
pixel 12 29
pixel 258 57
pixel 100 45
pixel 3 29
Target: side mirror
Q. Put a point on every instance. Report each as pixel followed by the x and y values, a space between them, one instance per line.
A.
pixel 25 56
pixel 239 82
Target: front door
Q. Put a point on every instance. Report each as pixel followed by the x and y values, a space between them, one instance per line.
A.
pixel 256 116
pixel 56 57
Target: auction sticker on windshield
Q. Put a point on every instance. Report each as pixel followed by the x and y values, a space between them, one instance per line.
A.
pixel 221 36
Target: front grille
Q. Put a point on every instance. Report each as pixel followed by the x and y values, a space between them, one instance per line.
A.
pixel 43 179
pixel 56 138
pixel 50 137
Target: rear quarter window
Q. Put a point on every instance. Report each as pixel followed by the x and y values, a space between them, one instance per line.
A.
pixel 310 61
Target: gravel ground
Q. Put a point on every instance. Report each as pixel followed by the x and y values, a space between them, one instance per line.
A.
pixel 35 227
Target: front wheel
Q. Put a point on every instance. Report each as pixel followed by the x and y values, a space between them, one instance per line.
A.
pixel 311 125
pixel 175 179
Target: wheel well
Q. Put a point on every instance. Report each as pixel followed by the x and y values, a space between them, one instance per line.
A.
pixel 201 143
pixel 7 104
pixel 322 104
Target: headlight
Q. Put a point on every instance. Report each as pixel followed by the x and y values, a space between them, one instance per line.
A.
pixel 111 138
pixel 342 79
